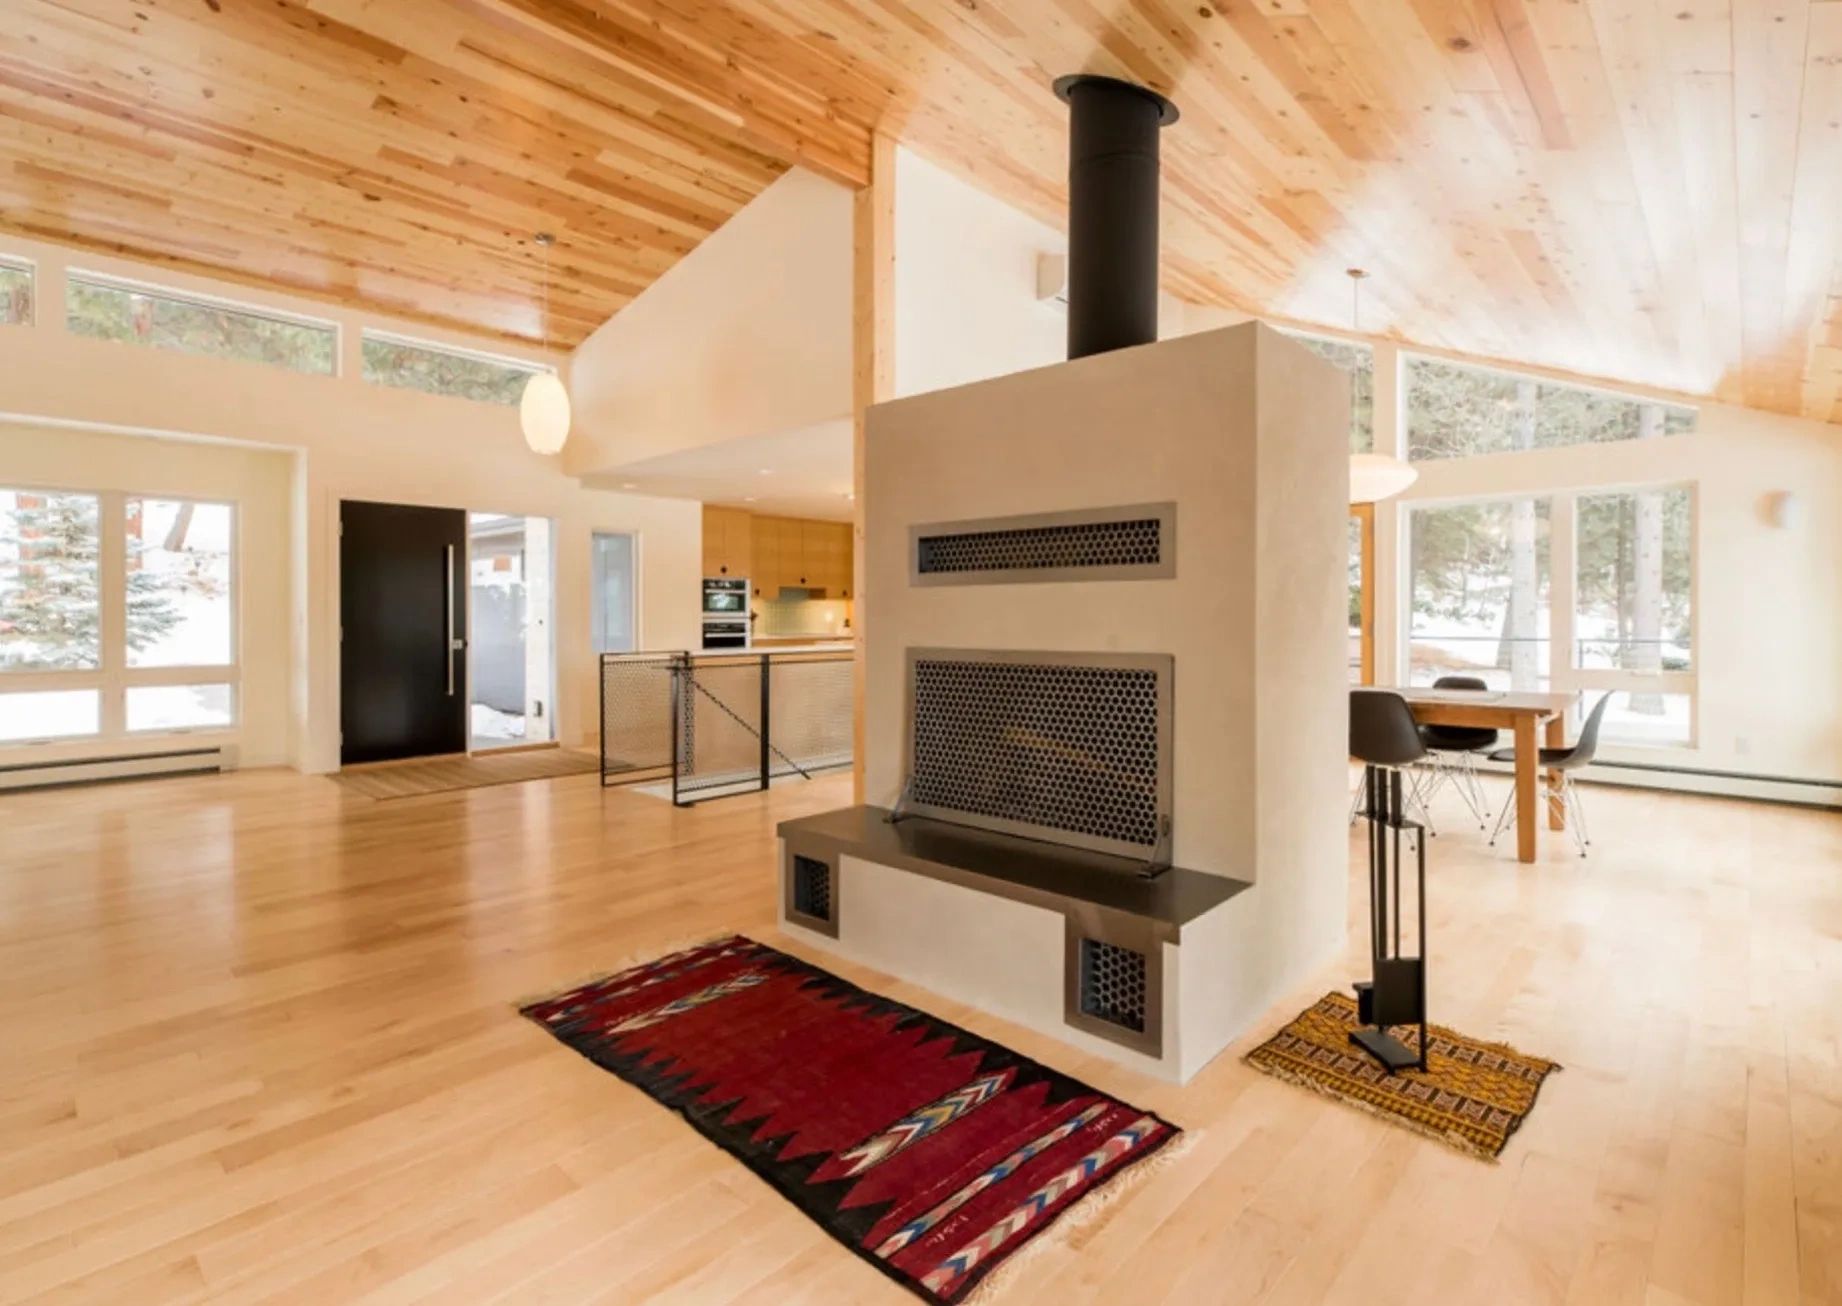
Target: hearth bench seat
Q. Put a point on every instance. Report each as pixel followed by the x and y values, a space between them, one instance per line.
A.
pixel 1080 945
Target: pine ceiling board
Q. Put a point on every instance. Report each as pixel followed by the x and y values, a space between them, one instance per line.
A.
pixel 339 160
pixel 1643 190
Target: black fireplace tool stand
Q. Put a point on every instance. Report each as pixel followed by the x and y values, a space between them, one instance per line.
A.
pixel 1396 993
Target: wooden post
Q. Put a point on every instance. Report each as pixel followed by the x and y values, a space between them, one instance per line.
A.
pixel 872 381
pixel 1364 515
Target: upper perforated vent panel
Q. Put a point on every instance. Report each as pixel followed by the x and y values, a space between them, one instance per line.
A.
pixel 1093 544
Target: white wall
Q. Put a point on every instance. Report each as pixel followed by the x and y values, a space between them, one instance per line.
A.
pixel 965 284
pixel 748 335
pixel 355 441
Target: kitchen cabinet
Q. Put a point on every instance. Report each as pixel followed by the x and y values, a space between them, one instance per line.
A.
pixel 728 542
pixel 799 553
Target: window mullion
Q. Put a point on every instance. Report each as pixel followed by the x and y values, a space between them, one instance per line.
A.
pixel 112 550
pixel 1561 589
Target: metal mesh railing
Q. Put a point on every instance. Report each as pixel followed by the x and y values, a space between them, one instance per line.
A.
pixel 722 724
pixel 637 693
pixel 812 713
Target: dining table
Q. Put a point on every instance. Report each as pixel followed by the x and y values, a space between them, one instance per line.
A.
pixel 1520 712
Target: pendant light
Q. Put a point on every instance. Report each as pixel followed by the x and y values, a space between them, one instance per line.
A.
pixel 543 412
pixel 1373 476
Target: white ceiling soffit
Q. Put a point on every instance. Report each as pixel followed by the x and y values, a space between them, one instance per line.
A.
pixel 804 472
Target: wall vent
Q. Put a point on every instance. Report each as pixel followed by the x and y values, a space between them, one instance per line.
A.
pixel 1073 748
pixel 811 888
pixel 1124 543
pixel 1113 984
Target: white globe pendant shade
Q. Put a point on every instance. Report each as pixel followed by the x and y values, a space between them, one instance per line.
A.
pixel 544 413
pixel 1376 476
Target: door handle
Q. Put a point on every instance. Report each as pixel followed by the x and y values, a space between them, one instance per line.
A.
pixel 447 606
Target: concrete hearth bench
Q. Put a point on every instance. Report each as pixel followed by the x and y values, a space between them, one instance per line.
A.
pixel 1080 945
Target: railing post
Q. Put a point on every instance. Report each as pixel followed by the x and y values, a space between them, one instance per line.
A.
pixel 679 667
pixel 766 764
pixel 601 700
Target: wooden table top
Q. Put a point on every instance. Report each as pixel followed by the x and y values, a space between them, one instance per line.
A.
pixel 1504 700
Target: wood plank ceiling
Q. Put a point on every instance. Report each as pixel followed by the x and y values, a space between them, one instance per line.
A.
pixel 1641 190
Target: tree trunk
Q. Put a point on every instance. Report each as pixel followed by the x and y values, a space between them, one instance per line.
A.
pixel 1646 650
pixel 182 522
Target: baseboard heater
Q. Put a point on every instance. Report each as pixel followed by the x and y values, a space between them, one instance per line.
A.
pixel 126 766
pixel 1793 790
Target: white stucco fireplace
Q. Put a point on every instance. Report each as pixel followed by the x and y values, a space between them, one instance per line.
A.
pixel 1104 736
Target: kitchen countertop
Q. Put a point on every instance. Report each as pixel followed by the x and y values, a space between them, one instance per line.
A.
pixel 815 646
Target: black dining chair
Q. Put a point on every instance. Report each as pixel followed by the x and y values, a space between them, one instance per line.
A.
pixel 1566 761
pixel 1383 733
pixel 1453 752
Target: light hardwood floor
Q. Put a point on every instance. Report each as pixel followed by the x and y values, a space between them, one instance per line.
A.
pixel 259 1045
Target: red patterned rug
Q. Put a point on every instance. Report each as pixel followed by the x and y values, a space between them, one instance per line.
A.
pixel 932 1153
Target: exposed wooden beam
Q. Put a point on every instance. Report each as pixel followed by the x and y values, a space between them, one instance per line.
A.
pixel 872 382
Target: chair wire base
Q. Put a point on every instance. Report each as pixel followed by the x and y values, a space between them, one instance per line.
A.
pixel 1574 809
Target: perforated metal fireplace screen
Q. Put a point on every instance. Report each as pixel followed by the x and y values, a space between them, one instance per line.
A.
pixel 1069 747
pixel 1128 543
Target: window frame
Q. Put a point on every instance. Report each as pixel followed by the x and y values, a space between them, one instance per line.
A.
pixel 594 589
pixel 113 677
pixel 507 361
pixel 1563 590
pixel 1591 681
pixel 1406 358
pixel 18 263
pixel 1360 345
pixel 202 299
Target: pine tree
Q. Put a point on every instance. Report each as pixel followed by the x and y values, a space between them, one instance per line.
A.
pixel 50 612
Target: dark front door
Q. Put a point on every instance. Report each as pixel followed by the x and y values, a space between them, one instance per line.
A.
pixel 403 622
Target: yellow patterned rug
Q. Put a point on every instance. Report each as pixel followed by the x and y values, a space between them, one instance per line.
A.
pixel 1473 1095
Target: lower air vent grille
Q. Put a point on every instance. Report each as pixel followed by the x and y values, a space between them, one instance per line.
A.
pixel 1113 984
pixel 811 888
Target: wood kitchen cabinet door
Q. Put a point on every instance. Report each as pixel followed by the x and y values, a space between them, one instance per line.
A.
pixel 792 552
pixel 727 547
pixel 844 551
pixel 764 540
pixel 713 541
pixel 815 546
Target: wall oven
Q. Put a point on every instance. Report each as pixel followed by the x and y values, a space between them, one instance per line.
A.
pixel 723 633
pixel 725 597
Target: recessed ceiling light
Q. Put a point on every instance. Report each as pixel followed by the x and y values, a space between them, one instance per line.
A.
pixel 628 485
pixel 748 498
pixel 765 471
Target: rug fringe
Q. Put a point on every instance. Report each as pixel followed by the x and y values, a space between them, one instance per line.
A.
pixel 1079 1216
pixel 1457 1142
pixel 654 953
